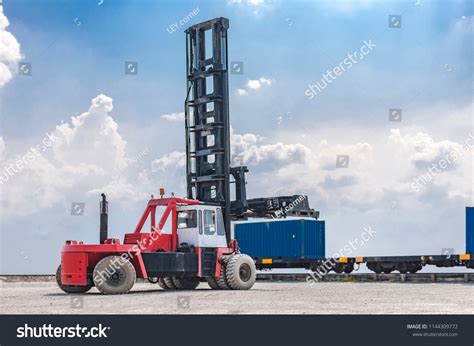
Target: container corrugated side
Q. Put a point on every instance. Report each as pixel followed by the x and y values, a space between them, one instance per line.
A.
pixel 285 238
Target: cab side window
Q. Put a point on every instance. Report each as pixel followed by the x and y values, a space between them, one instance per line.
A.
pixel 200 221
pixel 209 222
pixel 220 223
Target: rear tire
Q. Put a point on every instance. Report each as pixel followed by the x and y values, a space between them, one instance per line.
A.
pixel 114 275
pixel 212 283
pixel 70 288
pixel 186 283
pixel 221 281
pixel 168 281
pixel 241 272
pixel 162 284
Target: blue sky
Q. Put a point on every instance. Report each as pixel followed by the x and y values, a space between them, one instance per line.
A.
pixel 78 50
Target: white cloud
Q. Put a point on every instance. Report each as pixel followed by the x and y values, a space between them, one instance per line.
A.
pixel 254 85
pixel 465 24
pixel 254 3
pixel 242 92
pixel 92 138
pixel 257 83
pixel 369 183
pixel 346 6
pixel 421 150
pixel 173 160
pixel 84 156
pixel 9 50
pixel 277 152
pixel 174 117
pixel 2 148
pixel 256 6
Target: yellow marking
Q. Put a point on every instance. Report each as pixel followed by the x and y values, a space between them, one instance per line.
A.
pixel 359 259
pixel 267 261
pixel 465 257
pixel 343 259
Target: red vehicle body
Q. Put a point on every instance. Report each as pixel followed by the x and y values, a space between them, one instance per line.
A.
pixel 78 260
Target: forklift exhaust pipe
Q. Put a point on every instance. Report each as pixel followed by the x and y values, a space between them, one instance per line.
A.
pixel 104 210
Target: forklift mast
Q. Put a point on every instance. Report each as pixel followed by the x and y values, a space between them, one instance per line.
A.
pixel 207 127
pixel 207 115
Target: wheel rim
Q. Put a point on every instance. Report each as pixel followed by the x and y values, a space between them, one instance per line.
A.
pixel 117 278
pixel 245 272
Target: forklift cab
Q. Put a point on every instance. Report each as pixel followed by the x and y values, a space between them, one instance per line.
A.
pixel 201 226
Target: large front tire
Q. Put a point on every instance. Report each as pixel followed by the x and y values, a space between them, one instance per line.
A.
pixel 72 289
pixel 241 272
pixel 114 275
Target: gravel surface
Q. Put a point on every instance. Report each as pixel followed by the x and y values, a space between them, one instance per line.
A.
pixel 263 298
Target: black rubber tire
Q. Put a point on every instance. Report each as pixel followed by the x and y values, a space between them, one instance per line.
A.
pixel 162 284
pixel 122 275
pixel 221 281
pixel 387 271
pixel 72 289
pixel 186 283
pixel 241 272
pixel 168 281
pixel 212 283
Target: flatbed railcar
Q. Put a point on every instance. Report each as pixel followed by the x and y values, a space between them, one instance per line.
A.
pixel 257 247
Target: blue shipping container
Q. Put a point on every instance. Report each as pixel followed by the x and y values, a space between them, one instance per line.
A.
pixel 300 238
pixel 470 230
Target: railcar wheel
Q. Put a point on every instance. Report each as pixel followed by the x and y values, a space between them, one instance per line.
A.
pixel 348 268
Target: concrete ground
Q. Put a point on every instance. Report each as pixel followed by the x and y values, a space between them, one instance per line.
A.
pixel 263 298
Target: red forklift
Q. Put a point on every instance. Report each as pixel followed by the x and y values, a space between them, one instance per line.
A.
pixel 195 250
pixel 189 239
